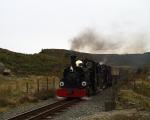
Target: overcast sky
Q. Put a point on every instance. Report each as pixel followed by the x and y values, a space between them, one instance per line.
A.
pixel 27 26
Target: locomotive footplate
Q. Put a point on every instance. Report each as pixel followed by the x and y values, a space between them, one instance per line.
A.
pixel 70 91
pixel 64 92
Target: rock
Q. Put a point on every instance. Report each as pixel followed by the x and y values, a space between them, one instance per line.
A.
pixel 6 71
pixel 2 67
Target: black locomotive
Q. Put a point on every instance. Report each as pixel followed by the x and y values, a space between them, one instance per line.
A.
pixel 84 78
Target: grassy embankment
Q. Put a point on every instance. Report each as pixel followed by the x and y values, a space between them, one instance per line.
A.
pixel 15 91
pixel 26 70
pixel 135 93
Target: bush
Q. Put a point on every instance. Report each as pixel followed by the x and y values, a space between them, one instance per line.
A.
pixel 128 98
pixel 4 102
pixel 27 98
pixel 45 94
pixel 143 87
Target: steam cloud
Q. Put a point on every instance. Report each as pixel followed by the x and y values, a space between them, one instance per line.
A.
pixel 90 41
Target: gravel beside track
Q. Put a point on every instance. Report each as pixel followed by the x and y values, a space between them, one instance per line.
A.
pixel 25 108
pixel 93 105
pixel 111 114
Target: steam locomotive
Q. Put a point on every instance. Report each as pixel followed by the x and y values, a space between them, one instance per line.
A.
pixel 84 78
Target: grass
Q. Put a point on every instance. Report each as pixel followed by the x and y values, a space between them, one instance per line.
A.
pixel 123 117
pixel 143 87
pixel 137 96
pixel 129 114
pixel 132 117
pixel 13 90
pixel 43 63
pixel 129 98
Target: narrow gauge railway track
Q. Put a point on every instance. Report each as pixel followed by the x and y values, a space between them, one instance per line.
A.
pixel 45 112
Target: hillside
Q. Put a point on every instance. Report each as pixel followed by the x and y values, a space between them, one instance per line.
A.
pixel 33 63
pixel 52 61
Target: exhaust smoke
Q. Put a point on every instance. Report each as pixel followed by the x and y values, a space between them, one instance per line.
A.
pixel 91 41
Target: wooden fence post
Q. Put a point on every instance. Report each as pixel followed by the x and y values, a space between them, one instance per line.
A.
pixel 27 87
pixel 47 83
pixel 53 87
pixel 134 84
pixel 38 85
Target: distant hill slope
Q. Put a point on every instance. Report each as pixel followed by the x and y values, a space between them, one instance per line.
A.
pixel 33 63
pixel 133 60
pixel 53 61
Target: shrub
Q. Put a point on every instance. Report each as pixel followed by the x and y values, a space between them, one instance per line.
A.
pixel 4 102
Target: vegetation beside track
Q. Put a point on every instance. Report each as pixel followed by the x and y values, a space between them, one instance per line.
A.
pixel 135 91
pixel 16 90
pixel 128 114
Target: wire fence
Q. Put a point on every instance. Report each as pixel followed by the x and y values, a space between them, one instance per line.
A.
pixel 17 87
pixel 41 84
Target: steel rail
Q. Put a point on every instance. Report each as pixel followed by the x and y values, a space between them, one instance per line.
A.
pixel 44 111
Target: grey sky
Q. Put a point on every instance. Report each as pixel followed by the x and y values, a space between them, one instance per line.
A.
pixel 29 25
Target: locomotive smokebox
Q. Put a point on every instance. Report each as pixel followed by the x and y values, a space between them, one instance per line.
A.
pixel 73 61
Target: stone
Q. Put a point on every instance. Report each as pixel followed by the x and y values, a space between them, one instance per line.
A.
pixel 2 67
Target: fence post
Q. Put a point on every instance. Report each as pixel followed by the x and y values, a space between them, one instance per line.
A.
pixel 27 87
pixel 47 83
pixel 134 84
pixel 110 103
pixel 38 85
pixel 53 87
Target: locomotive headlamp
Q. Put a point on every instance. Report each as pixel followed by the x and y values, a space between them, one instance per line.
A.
pixel 83 83
pixel 61 84
pixel 78 63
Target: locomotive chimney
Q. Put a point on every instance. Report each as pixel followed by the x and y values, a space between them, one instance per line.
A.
pixel 73 61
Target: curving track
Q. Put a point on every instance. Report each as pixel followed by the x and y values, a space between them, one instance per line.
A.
pixel 45 112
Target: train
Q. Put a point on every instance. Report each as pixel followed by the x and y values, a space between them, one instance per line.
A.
pixel 85 77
